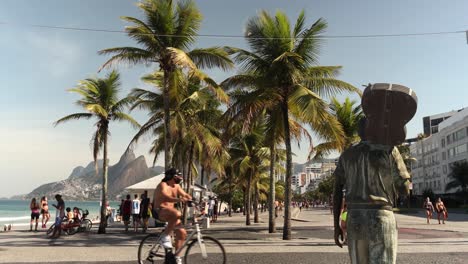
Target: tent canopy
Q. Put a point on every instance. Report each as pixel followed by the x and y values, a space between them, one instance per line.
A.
pixel 151 184
pixel 146 185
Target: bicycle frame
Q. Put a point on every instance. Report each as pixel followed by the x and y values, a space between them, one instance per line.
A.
pixel 197 232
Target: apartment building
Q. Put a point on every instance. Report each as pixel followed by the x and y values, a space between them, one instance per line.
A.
pixel 436 153
pixel 313 175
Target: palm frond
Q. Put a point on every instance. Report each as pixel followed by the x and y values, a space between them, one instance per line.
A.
pixel 76 116
pixel 211 58
pixel 119 116
pixel 128 55
pixel 181 59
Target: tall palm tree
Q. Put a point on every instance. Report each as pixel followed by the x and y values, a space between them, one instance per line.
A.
pixel 249 155
pixel 459 178
pixel 281 65
pixel 165 35
pixel 348 115
pixel 247 103
pixel 100 99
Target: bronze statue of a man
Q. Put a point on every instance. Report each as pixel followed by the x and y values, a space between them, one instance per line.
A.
pixel 372 173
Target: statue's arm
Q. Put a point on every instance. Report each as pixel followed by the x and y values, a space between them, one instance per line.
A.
pixel 401 174
pixel 337 202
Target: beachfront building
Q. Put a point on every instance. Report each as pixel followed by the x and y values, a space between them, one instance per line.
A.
pixel 431 123
pixel 312 176
pixel 447 144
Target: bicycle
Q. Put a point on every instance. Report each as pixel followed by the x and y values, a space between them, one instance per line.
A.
pixel 200 248
pixel 71 227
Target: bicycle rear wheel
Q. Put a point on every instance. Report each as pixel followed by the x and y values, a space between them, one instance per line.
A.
pixel 86 225
pixel 210 250
pixel 150 251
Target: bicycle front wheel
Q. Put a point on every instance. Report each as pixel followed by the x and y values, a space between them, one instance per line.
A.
pixel 50 231
pixel 209 251
pixel 71 228
pixel 150 251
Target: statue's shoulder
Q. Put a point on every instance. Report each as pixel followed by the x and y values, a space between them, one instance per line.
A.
pixel 356 148
pixel 359 146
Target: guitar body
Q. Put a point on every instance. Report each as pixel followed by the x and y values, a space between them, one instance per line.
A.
pixel 388 108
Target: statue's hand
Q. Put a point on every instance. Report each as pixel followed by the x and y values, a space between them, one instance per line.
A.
pixel 338 237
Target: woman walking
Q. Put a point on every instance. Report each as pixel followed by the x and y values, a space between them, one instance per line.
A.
pixel 441 210
pixel 34 206
pixel 429 209
pixel 45 211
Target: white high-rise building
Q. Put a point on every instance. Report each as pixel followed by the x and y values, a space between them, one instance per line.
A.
pixel 436 153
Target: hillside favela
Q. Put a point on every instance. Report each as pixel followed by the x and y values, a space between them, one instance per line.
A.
pixel 229 132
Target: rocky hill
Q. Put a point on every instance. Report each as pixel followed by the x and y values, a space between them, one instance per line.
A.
pixel 84 184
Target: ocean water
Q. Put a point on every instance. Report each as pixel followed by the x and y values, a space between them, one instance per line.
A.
pixel 17 212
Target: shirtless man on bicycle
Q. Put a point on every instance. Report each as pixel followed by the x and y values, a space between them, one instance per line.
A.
pixel 166 194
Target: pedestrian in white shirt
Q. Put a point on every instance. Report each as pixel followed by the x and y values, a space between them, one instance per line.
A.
pixel 136 212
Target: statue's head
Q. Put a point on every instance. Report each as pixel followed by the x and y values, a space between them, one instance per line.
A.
pixel 387 107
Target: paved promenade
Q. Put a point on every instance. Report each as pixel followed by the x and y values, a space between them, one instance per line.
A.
pixel 312 242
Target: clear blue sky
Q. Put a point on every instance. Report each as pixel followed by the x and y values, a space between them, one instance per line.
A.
pixel 38 65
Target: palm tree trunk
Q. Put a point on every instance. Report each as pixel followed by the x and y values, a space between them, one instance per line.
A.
pixel 248 196
pixel 287 190
pixel 244 202
pixel 271 197
pixel 230 195
pixel 103 222
pixel 188 183
pixel 202 175
pixel 167 122
pixel 256 204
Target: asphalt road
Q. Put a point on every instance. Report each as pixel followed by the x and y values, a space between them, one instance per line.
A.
pixel 324 258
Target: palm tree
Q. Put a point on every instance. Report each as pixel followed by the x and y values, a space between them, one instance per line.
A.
pixel 249 155
pixel 194 111
pixel 100 100
pixel 348 115
pixel 459 178
pixel 165 35
pixel 281 67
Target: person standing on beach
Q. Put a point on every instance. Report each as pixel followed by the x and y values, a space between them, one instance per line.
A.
pixel 59 215
pixel 136 212
pixel 34 206
pixel 44 211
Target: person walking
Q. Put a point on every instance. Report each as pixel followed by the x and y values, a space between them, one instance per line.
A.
pixel 429 209
pixel 127 211
pixel 59 215
pixel 211 203
pixel 441 210
pixel 34 206
pixel 136 212
pixel 215 210
pixel 44 211
pixel 144 212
